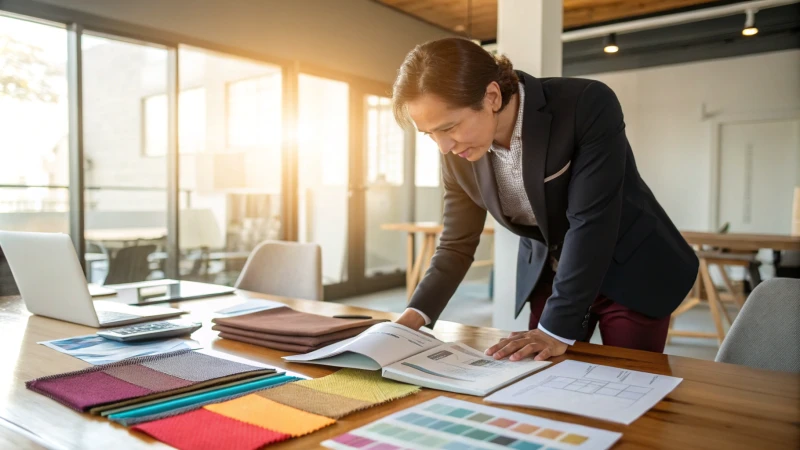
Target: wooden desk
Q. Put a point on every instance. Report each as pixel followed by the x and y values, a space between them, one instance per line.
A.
pixel 743 242
pixel 415 269
pixel 716 406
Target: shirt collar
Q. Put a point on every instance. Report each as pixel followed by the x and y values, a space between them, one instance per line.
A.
pixel 517 133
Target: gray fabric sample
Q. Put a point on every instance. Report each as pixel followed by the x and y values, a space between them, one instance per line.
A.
pixel 195 366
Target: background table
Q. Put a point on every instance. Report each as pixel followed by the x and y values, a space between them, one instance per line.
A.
pixel 415 269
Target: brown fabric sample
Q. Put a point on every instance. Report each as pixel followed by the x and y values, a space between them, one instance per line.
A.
pixel 147 377
pixel 282 346
pixel 309 341
pixel 288 322
pixel 309 400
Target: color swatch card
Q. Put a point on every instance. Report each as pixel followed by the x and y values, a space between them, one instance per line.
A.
pixel 449 424
pixel 592 390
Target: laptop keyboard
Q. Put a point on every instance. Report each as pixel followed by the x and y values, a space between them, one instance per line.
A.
pixel 114 316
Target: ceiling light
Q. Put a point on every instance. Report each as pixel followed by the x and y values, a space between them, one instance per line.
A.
pixel 750 23
pixel 610 44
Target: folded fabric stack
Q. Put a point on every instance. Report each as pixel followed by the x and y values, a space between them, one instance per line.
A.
pixel 289 330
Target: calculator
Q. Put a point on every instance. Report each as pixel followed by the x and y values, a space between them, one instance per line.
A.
pixel 151 330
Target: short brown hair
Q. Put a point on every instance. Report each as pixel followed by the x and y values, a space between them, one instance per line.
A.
pixel 455 69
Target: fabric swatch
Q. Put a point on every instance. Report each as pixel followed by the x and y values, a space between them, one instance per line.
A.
pixel 282 346
pixel 174 412
pixel 259 411
pixel 315 402
pixel 195 366
pixel 204 430
pixel 309 341
pixel 187 389
pixel 188 394
pixel 147 377
pixel 289 322
pixel 364 385
pixel 204 398
pixel 96 389
pixel 84 390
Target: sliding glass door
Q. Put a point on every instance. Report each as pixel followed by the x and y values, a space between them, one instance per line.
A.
pixel 351 181
pixel 230 143
pixel 125 143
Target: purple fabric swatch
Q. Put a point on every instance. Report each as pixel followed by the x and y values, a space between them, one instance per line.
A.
pixel 88 389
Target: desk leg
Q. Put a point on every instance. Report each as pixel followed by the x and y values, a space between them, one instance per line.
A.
pixel 416 271
pixel 411 242
pixel 713 299
pixel 430 247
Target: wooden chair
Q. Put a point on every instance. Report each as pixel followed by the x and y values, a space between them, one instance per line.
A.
pixel 705 290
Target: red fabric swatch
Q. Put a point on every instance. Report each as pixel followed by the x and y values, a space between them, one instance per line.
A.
pixel 202 429
pixel 87 389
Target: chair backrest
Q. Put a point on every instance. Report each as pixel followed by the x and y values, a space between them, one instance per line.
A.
pixel 767 330
pixel 130 264
pixel 7 284
pixel 287 269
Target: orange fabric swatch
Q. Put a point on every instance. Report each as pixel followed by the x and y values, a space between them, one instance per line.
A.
pixel 261 412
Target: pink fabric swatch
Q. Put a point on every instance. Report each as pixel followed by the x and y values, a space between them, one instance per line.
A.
pixel 84 390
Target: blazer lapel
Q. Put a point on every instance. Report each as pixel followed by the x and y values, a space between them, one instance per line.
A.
pixel 535 140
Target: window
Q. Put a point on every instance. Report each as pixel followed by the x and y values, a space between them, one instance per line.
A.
pixel 34 127
pixel 191 122
pixel 254 112
pixel 385 143
pixel 427 162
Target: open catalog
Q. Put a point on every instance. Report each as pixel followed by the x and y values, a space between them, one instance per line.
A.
pixel 414 357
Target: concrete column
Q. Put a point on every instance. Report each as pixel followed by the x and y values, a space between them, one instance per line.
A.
pixel 529 33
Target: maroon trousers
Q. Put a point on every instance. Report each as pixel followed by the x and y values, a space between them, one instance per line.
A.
pixel 619 325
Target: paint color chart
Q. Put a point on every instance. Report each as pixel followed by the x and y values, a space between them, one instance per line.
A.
pixel 449 424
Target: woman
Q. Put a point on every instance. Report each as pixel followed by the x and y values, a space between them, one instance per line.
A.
pixel 549 160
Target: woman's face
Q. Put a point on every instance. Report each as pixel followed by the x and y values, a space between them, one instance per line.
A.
pixel 466 132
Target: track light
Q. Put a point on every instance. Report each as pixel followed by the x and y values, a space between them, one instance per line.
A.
pixel 610 44
pixel 750 23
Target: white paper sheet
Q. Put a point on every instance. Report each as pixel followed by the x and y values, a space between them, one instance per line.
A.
pixel 602 392
pixel 378 346
pixel 250 306
pixel 455 424
pixel 97 350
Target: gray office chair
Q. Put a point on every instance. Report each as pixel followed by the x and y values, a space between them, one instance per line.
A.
pixel 767 330
pixel 7 284
pixel 130 264
pixel 287 269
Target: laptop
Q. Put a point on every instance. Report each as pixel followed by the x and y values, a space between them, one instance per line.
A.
pixel 51 282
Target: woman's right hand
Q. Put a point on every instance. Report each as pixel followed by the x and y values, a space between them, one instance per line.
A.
pixel 411 319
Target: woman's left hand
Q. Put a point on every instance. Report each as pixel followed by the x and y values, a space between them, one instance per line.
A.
pixel 521 344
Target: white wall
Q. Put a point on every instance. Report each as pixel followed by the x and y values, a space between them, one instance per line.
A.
pixel 360 37
pixel 670 137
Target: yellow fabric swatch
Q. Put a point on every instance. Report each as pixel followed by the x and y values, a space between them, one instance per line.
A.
pixel 264 413
pixel 365 385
